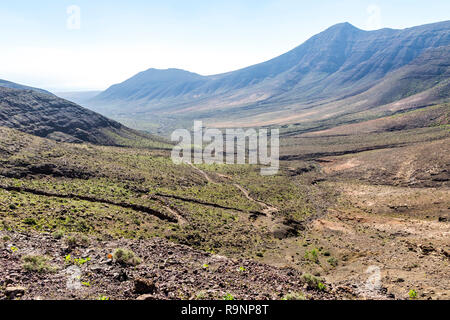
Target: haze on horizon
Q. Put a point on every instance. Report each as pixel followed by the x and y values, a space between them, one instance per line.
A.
pixel 47 46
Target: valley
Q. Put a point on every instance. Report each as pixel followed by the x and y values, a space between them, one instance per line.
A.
pixel 329 214
pixel 94 208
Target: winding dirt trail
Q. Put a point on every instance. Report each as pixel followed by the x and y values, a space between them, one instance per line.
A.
pixel 267 209
pixel 181 220
pixel 203 173
pixel 175 212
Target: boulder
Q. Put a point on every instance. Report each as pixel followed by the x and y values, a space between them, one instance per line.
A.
pixel 15 292
pixel 146 297
pixel 144 286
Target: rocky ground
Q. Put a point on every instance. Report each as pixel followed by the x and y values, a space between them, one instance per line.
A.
pixel 396 235
pixel 369 225
pixel 89 269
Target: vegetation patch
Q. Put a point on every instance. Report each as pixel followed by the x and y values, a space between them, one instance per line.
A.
pixel 126 257
pixel 36 263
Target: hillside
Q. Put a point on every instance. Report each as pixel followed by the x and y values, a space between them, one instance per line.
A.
pixel 331 67
pixel 209 231
pixel 106 198
pixel 46 115
pixel 12 85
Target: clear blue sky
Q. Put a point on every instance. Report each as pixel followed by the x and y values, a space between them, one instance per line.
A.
pixel 117 39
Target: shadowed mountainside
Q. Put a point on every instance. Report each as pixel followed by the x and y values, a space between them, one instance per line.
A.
pixel 46 115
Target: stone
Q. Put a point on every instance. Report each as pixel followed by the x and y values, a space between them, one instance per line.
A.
pixel 121 276
pixel 426 249
pixel 144 286
pixel 146 297
pixel 15 292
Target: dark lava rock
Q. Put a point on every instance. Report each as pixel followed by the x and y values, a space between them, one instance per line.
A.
pixel 144 286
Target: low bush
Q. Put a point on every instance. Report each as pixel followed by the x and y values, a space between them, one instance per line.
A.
pixel 126 257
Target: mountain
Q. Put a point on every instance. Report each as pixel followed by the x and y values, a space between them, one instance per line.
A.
pixel 340 62
pixel 12 85
pixel 156 84
pixel 46 115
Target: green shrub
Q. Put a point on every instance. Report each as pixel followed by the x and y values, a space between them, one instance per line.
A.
pixel 312 255
pixel 37 264
pixel 59 234
pixel 228 296
pixel 77 261
pixel 412 294
pixel 126 257
pixel 84 241
pixel 313 282
pixel 333 261
pixel 321 286
pixel 294 296
pixel 77 241
pixel 71 241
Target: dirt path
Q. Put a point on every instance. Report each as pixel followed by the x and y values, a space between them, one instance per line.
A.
pixel 266 208
pixel 203 173
pixel 201 202
pixel 175 212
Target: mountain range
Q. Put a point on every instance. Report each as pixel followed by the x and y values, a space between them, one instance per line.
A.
pixel 316 81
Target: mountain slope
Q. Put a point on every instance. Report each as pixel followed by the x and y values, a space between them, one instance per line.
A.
pixel 12 85
pixel 425 81
pixel 340 62
pixel 155 84
pixel 46 115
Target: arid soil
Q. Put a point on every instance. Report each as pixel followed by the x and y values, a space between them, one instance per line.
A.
pixel 363 216
pixel 393 218
pixel 166 271
pixel 381 229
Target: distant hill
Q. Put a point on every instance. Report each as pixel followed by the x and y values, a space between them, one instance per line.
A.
pixel 46 115
pixel 341 62
pixel 79 97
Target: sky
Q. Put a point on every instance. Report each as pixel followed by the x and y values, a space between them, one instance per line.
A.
pixel 80 45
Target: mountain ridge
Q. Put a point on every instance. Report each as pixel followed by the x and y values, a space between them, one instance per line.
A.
pixel 340 62
pixel 48 116
pixel 13 85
